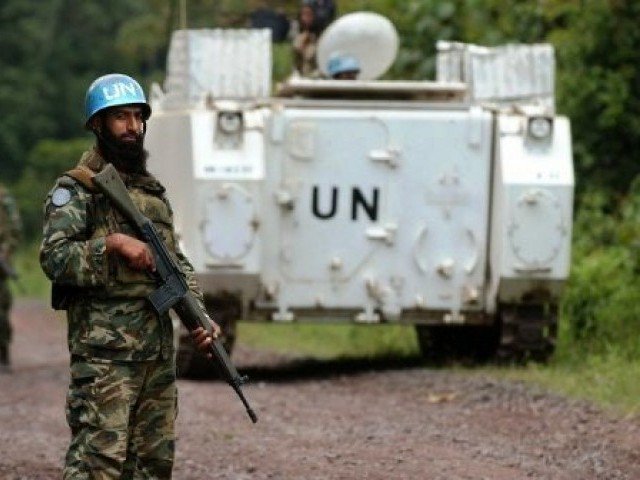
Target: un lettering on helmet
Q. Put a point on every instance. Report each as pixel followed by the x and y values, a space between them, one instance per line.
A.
pixel 119 90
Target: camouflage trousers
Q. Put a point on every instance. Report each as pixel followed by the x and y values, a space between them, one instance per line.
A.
pixel 5 307
pixel 121 417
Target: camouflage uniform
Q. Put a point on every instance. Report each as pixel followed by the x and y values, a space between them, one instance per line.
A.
pixel 122 398
pixel 10 235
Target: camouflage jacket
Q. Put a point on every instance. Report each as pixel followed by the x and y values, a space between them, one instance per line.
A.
pixel 109 316
pixel 10 224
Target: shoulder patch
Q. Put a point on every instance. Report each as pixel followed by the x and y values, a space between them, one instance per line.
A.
pixel 60 196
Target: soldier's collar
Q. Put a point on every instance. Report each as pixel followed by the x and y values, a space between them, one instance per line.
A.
pixel 92 160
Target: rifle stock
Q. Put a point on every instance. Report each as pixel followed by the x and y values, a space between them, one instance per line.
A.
pixel 173 291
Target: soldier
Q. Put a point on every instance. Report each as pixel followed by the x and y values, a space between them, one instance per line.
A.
pixel 343 67
pixel 10 235
pixel 122 399
pixel 305 44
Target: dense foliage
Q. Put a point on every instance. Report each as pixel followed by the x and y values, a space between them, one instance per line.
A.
pixel 51 50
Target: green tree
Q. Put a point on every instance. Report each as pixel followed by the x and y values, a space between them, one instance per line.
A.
pixel 49 53
pixel 599 88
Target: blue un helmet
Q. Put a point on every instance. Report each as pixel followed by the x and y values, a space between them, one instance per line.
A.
pixel 114 90
pixel 340 63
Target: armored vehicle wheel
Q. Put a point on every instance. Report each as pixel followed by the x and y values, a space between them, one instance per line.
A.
pixel 446 343
pixel 527 332
pixel 225 310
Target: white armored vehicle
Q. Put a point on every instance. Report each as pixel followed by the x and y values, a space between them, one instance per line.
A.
pixel 442 204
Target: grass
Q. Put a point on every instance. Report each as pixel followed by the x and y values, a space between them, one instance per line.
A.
pixel 609 379
pixel 331 341
pixel 32 281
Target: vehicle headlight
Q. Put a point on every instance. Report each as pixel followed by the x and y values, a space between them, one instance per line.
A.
pixel 230 122
pixel 540 127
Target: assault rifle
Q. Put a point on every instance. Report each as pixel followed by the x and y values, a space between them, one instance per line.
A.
pixel 6 270
pixel 173 291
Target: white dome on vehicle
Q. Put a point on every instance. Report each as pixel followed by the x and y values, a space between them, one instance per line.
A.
pixel 367 36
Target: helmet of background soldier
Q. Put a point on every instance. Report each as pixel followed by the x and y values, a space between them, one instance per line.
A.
pixel 114 90
pixel 342 64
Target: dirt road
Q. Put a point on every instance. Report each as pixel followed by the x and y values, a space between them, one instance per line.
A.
pixel 388 419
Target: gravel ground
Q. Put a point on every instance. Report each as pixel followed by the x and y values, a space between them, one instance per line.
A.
pixel 387 419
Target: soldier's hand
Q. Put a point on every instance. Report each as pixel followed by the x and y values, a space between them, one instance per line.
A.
pixel 203 339
pixel 136 253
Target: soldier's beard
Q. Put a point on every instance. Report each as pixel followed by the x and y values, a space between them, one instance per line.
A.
pixel 127 157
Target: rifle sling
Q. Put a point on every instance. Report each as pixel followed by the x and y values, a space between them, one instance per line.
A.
pixel 84 176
